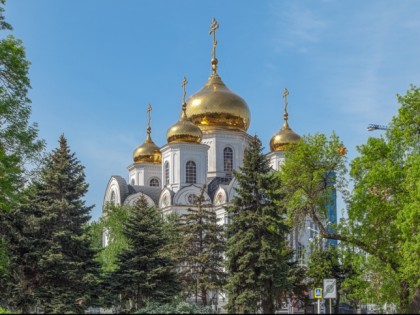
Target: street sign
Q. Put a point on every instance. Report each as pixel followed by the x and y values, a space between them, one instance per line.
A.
pixel 330 289
pixel 318 293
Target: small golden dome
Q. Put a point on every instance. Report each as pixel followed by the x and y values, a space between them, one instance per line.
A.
pixel 184 130
pixel 283 138
pixel 217 106
pixel 148 152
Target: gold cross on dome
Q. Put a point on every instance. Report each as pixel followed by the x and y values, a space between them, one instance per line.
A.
pixel 285 94
pixel 149 109
pixel 214 26
pixel 184 85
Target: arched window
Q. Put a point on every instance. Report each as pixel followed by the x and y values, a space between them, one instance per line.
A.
pixel 132 182
pixel 228 161
pixel 112 199
pixel 191 173
pixel 154 182
pixel 166 173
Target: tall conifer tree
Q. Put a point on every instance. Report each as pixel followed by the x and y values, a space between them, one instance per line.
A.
pixel 145 273
pixel 200 253
pixel 61 247
pixel 257 256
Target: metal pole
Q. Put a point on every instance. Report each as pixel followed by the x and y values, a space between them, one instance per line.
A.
pixel 330 307
pixel 319 306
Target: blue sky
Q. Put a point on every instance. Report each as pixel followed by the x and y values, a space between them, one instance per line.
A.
pixel 97 64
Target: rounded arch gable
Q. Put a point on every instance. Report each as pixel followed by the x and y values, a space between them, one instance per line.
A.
pixel 188 196
pixel 165 199
pixel 220 197
pixel 113 192
pixel 132 199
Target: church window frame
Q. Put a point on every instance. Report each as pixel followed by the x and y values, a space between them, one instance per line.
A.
pixel 154 182
pixel 190 172
pixel 166 173
pixel 228 161
pixel 112 198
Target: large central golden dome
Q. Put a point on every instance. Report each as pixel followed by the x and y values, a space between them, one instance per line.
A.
pixel 215 106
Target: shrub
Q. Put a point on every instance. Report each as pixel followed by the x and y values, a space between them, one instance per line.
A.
pixel 175 307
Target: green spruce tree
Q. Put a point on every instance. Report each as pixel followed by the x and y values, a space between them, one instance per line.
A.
pixel 257 255
pixel 60 245
pixel 145 273
pixel 200 253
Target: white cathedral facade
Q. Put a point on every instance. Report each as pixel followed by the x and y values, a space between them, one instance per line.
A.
pixel 203 148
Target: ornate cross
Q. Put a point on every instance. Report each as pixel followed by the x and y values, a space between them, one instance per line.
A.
pixel 285 93
pixel 214 26
pixel 149 109
pixel 184 85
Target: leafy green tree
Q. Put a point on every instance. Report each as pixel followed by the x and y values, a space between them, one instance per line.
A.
pixel 309 169
pixel 144 272
pixel 18 138
pixel 330 262
pixel 387 197
pixel 200 252
pixel 383 208
pixel 111 224
pixel 257 254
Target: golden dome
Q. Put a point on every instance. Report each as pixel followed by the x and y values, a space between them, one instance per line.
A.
pixel 217 106
pixel 283 138
pixel 184 130
pixel 286 135
pixel 148 152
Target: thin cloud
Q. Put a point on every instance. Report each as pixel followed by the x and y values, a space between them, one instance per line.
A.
pixel 296 26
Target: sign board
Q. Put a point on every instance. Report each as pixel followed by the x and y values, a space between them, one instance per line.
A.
pixel 330 289
pixel 318 293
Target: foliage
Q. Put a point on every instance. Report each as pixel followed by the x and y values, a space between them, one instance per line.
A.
pixel 52 258
pixel 307 173
pixel 18 138
pixel 200 252
pixel 111 222
pixel 383 208
pixel 257 255
pixel 322 265
pixel 332 262
pixel 144 273
pixel 5 311
pixel 172 232
pixel 175 307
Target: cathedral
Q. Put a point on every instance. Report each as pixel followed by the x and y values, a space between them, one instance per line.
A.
pixel 203 148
